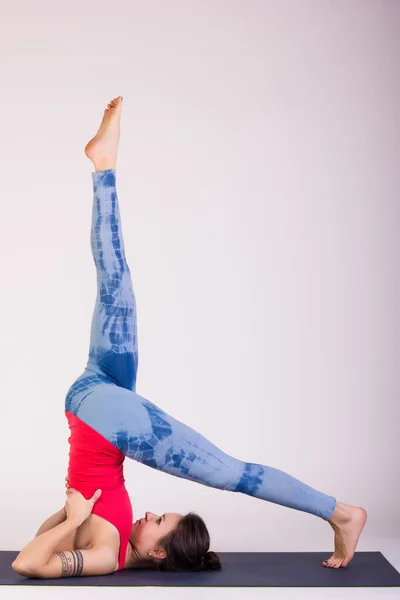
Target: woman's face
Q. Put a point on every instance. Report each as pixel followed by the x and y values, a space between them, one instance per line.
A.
pixel 147 531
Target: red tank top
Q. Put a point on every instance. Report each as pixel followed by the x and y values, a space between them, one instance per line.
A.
pixel 94 463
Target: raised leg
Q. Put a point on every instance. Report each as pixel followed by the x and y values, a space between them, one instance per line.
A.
pixel 113 338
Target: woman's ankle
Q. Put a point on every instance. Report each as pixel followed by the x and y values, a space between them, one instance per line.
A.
pixel 104 165
pixel 340 515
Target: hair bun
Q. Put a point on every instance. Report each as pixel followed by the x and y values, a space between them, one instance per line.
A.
pixel 211 561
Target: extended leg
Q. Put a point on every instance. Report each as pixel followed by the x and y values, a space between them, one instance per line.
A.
pixel 144 432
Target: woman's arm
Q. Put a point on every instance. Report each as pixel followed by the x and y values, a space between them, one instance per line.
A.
pixel 38 552
pixel 38 558
pixel 96 561
pixel 58 517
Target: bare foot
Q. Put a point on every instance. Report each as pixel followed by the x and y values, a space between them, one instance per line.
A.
pixel 347 522
pixel 103 148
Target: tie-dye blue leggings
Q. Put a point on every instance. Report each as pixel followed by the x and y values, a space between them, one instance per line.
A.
pixel 104 396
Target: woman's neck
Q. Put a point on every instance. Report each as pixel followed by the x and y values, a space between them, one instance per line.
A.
pixel 131 557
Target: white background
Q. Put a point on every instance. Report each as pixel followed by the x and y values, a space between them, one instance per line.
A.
pixel 260 209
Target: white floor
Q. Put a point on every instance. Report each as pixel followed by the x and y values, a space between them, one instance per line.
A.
pixel 390 548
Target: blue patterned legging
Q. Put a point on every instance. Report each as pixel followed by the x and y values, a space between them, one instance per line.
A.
pixel 104 396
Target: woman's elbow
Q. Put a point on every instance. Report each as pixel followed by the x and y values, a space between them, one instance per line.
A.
pixel 22 569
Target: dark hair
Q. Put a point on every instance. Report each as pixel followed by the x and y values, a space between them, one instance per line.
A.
pixel 187 548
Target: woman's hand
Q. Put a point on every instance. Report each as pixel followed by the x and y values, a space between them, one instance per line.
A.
pixel 77 507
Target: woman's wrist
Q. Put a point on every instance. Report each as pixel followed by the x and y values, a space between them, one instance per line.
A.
pixel 74 520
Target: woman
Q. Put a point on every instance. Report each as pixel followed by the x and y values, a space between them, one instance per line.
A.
pixel 93 534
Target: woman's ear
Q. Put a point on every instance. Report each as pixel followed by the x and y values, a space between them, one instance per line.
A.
pixel 159 553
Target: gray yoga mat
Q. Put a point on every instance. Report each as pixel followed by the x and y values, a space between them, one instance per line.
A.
pixel 239 569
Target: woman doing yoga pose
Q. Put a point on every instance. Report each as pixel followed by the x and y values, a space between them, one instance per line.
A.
pixel 94 533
